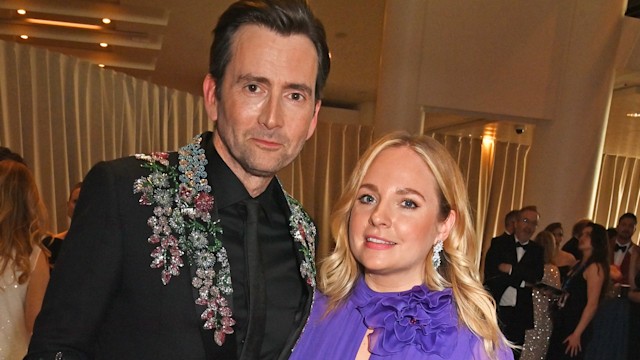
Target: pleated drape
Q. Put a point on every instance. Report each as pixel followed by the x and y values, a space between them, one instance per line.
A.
pixel 63 115
pixel 494 172
pixel 618 189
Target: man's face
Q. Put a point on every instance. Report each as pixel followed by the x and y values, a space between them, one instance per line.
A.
pixel 267 108
pixel 526 225
pixel 626 228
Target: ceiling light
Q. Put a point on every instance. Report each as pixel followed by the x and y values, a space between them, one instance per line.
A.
pixel 633 115
pixel 24 37
pixel 106 21
pixel 104 44
pixel 22 11
pixel 63 24
pixel 101 65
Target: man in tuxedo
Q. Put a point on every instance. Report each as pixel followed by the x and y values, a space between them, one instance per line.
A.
pixel 513 265
pixel 620 246
pixel 167 253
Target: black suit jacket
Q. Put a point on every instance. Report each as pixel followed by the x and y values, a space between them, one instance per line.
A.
pixel 530 269
pixel 104 301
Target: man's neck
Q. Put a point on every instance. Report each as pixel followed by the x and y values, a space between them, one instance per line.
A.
pixel 521 242
pixel 255 185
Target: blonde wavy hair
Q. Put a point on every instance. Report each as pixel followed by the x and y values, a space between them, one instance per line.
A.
pixel 23 218
pixel 339 271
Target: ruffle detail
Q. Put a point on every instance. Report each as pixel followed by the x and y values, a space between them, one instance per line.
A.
pixel 418 317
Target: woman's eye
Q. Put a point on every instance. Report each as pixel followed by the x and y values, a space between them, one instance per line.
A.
pixel 366 199
pixel 409 204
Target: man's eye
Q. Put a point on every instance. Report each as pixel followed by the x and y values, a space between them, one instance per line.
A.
pixel 252 87
pixel 297 97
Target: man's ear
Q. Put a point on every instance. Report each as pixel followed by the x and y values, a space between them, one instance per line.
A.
pixel 210 101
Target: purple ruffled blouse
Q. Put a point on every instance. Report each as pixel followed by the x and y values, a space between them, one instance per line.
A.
pixel 414 324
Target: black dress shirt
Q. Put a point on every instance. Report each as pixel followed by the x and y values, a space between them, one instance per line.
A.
pixel 284 285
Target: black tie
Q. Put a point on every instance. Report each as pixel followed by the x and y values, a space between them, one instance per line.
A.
pixel 524 247
pixel 257 292
pixel 622 248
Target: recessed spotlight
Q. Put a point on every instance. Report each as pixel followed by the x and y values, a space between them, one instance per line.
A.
pixel 24 37
pixel 634 115
pixel 104 44
pixel 101 65
pixel 22 11
pixel 106 21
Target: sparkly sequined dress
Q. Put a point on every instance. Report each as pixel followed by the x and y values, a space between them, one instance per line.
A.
pixel 14 337
pixel 536 340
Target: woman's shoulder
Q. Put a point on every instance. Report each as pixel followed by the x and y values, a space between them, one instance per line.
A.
pixel 594 270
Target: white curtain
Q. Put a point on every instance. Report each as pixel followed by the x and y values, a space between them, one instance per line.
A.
pixel 495 173
pixel 63 115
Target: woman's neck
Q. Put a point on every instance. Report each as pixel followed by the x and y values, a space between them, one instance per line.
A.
pixel 382 283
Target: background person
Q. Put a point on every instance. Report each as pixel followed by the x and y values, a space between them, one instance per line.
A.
pixel 513 265
pixel 582 292
pixel 572 245
pixel 402 282
pixel 620 247
pixel 536 340
pixel 562 259
pixel 24 272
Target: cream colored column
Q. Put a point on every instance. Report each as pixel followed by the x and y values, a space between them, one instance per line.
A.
pixel 396 106
pixel 564 160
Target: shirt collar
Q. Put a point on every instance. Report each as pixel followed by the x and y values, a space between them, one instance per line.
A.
pixel 228 190
pixel 527 243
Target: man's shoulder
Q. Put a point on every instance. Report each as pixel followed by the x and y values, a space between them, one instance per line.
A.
pixel 502 239
pixel 129 164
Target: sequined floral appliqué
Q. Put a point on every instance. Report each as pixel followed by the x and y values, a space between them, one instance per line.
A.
pixel 304 233
pixel 181 224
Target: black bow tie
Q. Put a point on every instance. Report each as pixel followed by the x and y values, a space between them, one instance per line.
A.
pixel 518 244
pixel 622 248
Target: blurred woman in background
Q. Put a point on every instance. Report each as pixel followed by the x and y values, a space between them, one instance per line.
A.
pixel 536 340
pixel 562 259
pixel 24 272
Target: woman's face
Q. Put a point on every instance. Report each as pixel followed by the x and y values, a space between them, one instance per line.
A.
pixel 394 220
pixel 584 242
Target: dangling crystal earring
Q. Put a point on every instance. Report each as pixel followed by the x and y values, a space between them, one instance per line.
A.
pixel 437 248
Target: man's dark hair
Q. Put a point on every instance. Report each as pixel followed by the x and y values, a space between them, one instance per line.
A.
pixel 285 17
pixel 512 216
pixel 7 154
pixel 629 216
